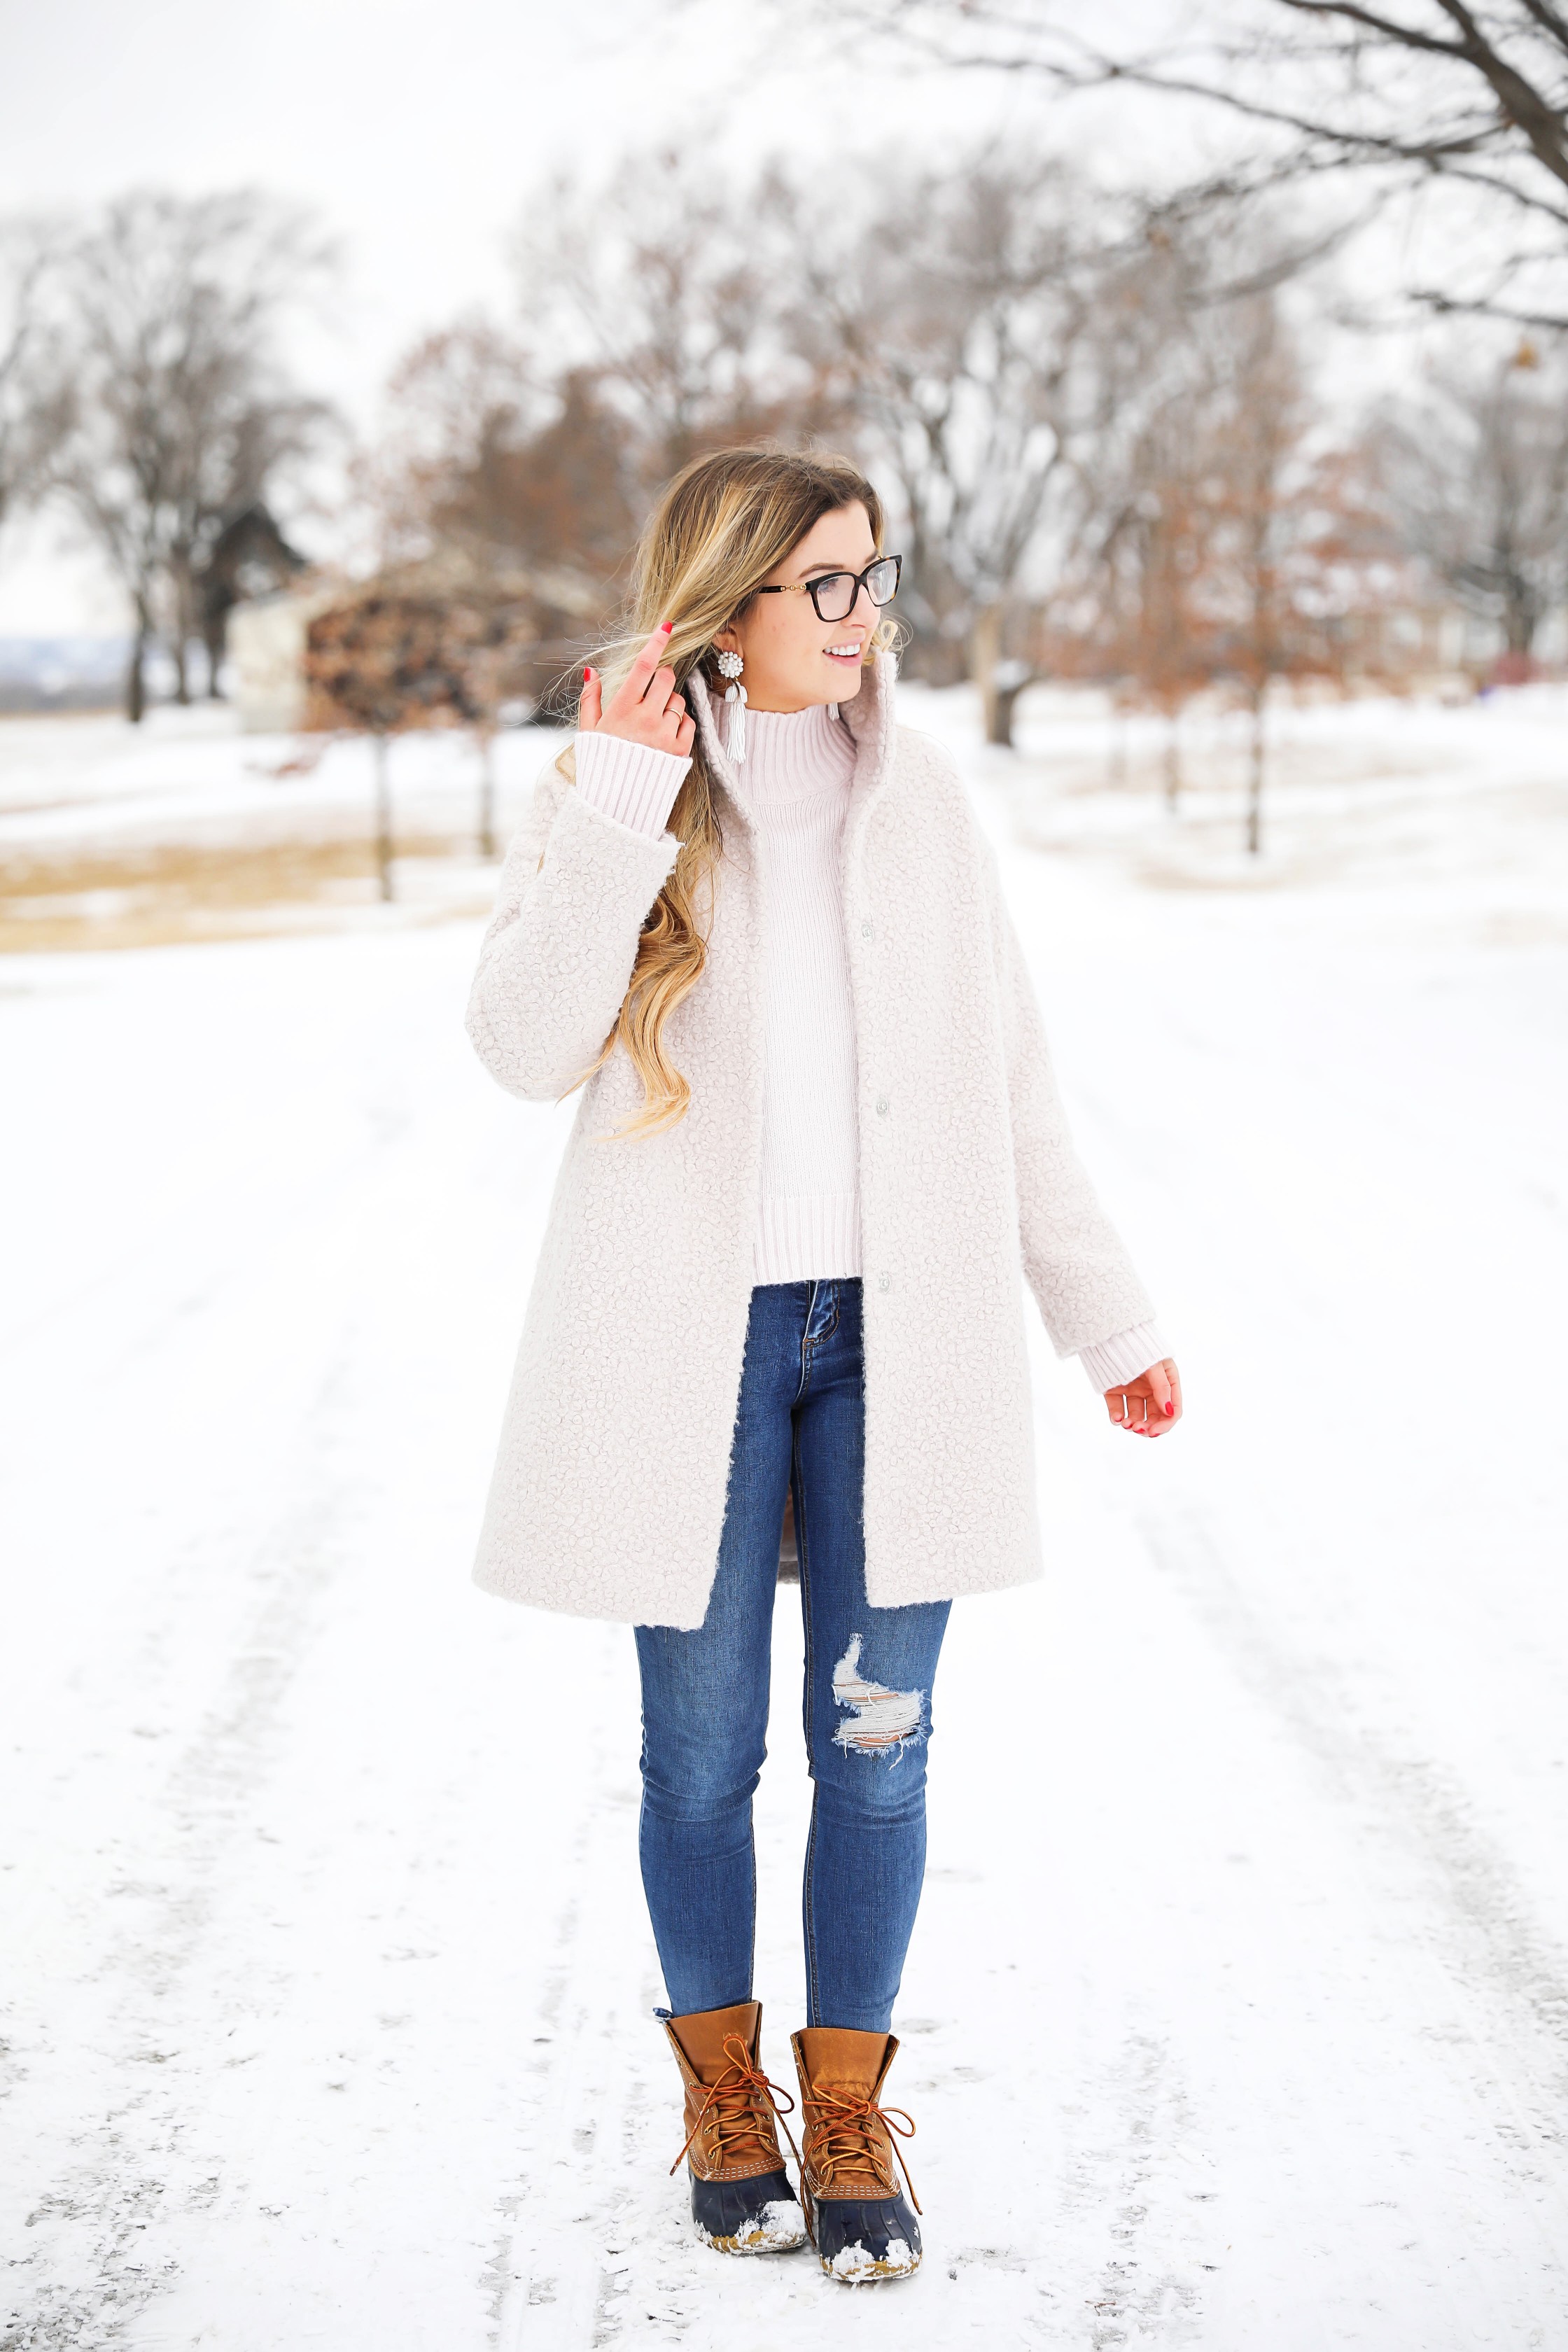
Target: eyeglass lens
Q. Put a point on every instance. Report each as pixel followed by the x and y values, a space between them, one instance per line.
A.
pixel 834 595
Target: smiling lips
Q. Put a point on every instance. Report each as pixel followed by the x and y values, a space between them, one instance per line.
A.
pixel 842 653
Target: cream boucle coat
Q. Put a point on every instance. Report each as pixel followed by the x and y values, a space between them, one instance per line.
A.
pixel 609 1489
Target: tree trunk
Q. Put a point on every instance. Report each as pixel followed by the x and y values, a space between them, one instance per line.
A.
pixel 214 637
pixel 486 794
pixel 383 817
pixel 184 628
pixel 1173 761
pixel 1003 701
pixel 1521 618
pixel 136 670
pixel 1255 779
pixel 984 653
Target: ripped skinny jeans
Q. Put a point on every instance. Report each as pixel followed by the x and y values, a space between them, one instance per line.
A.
pixel 800 1428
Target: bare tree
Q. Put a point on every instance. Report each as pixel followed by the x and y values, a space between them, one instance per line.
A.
pixel 179 412
pixel 953 317
pixel 1161 633
pixel 30 412
pixel 933 319
pixel 664 285
pixel 1402 94
pixel 523 488
pixel 456 401
pixel 650 327
pixel 1266 541
pixel 1237 548
pixel 1145 483
pixel 1476 472
pixel 489 453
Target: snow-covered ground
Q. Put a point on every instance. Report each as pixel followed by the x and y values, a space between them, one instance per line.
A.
pixel 1237 2013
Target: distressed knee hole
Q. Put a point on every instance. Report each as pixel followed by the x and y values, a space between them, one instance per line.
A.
pixel 878 1718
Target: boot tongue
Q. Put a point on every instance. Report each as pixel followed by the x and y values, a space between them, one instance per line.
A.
pixel 702 2038
pixel 842 2060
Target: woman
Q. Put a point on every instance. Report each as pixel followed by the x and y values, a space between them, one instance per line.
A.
pixel 819 1148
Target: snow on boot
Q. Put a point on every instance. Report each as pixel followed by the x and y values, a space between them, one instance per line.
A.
pixel 859 2222
pixel 741 2198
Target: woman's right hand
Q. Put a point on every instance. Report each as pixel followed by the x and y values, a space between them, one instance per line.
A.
pixel 645 708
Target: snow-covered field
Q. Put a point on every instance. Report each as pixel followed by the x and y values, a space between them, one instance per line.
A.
pixel 1237 2013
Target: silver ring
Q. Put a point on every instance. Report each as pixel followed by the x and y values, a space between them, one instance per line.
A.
pixel 1145 1404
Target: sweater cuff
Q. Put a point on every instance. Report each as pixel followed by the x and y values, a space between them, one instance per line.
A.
pixel 630 782
pixel 1111 1363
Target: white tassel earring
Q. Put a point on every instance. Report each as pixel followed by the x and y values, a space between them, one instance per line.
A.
pixel 729 667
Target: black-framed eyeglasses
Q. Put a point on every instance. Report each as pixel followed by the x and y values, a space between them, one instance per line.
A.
pixel 836 594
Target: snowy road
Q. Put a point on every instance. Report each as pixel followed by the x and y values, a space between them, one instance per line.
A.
pixel 1237 2016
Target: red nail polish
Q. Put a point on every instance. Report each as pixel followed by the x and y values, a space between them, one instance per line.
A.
pixel 1167 1408
pixel 668 626
pixel 588 674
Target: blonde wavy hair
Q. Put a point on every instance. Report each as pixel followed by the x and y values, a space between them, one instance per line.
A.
pixel 724 523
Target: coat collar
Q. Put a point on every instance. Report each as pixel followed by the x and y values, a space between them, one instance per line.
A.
pixel 869 719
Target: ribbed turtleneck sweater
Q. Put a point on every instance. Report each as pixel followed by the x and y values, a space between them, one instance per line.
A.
pixel 799 766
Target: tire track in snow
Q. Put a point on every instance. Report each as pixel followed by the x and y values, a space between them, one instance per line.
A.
pixel 554 2278
pixel 91 2268
pixel 598 2253
pixel 1128 2185
pixel 1479 1916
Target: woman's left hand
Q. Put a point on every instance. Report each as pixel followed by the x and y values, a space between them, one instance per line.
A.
pixel 1149 1405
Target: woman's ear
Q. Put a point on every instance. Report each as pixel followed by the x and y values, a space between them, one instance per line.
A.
pixel 725 641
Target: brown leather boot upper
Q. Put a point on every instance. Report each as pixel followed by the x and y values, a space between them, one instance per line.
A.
pixel 730 2102
pixel 848 2149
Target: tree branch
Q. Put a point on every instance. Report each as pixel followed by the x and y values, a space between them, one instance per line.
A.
pixel 1397 35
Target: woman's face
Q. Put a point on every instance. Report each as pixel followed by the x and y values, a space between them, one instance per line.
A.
pixel 791 659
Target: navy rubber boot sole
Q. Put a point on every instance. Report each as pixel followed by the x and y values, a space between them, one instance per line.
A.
pixel 861 2240
pixel 758 2216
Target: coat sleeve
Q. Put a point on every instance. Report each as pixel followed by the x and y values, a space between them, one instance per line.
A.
pixel 1073 1256
pixel 556 960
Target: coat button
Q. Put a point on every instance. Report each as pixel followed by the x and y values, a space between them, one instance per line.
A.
pixel 882 1104
pixel 865 930
pixel 884 1282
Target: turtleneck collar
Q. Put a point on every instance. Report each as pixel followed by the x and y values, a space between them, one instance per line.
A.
pixel 795 755
pixel 869 719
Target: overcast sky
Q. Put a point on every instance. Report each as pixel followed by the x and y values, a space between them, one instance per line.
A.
pixel 416 127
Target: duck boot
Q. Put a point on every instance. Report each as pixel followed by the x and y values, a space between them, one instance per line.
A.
pixel 859 2217
pixel 741 2198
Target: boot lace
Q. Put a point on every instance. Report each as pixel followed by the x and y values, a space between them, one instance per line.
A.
pixel 841 2127
pixel 732 2102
